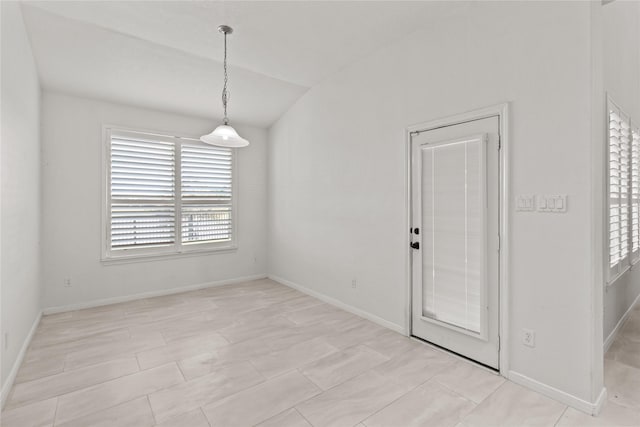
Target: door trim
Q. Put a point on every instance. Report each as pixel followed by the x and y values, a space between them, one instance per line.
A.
pixel 502 112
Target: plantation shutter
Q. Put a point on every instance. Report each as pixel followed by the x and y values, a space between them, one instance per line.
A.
pixel 142 191
pixel 619 186
pixel 635 193
pixel 206 193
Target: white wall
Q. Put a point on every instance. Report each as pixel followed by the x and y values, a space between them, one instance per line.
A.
pixel 71 210
pixel 621 40
pixel 20 188
pixel 337 172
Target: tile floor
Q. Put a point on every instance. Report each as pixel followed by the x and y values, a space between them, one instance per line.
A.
pixel 259 353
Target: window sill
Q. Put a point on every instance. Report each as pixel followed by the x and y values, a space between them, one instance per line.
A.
pixel 126 259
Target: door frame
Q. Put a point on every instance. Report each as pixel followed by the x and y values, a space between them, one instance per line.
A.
pixel 502 112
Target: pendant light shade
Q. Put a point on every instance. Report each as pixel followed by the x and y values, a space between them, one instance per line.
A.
pixel 225 135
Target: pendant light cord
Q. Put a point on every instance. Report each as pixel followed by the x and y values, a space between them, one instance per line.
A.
pixel 225 93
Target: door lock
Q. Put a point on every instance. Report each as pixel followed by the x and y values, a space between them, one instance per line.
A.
pixel 415 245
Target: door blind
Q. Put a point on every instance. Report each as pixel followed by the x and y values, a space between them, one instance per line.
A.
pixel 635 193
pixel 454 207
pixel 206 193
pixel 142 210
pixel 619 186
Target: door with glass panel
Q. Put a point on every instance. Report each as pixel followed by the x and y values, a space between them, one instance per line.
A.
pixel 455 241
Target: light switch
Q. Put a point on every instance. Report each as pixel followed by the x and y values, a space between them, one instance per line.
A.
pixel 542 203
pixel 525 203
pixel 555 203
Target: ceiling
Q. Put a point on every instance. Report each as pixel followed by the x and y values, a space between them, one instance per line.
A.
pixel 167 55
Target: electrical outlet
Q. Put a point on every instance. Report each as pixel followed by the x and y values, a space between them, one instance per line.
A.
pixel 67 282
pixel 354 283
pixel 528 338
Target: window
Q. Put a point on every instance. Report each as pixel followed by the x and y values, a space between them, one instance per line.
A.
pixel 166 195
pixel 619 136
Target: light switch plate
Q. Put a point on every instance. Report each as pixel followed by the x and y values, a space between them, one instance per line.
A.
pixel 553 203
pixel 525 203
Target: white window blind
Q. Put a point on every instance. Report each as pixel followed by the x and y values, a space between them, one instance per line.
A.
pixel 619 189
pixel 635 193
pixel 167 194
pixel 454 208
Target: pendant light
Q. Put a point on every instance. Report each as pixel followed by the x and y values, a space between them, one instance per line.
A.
pixel 225 135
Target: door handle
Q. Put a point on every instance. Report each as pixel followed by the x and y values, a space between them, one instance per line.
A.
pixel 415 245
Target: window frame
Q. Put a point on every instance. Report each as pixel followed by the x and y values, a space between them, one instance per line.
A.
pixel 624 264
pixel 177 249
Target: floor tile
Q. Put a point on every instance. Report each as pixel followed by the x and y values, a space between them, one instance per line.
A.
pixel 182 322
pixel 261 402
pixel 352 401
pixel 288 418
pixel 339 367
pixel 180 349
pixel 280 361
pixel 190 395
pixel 66 382
pixel 200 348
pixel 416 366
pixel 40 367
pixel 104 352
pixel 115 392
pixel 612 415
pixel 44 351
pixel 37 414
pixel 357 333
pixel 391 343
pixel 249 330
pixel 194 418
pixel 202 364
pixel 470 381
pixel 135 413
pixel 198 328
pixel 318 313
pixel 513 405
pixel 623 384
pixel 431 404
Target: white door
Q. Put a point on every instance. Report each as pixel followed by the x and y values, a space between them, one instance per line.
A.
pixel 455 226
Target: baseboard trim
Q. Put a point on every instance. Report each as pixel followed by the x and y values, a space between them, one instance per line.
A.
pixel 6 387
pixel 591 408
pixel 171 291
pixel 337 303
pixel 612 336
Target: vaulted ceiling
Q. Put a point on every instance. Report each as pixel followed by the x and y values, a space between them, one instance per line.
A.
pixel 167 55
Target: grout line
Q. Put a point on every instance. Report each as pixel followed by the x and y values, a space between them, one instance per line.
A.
pixel 55 413
pixel 301 414
pixel 561 415
pixel 205 416
pixel 180 369
pixel 153 414
pixel 435 381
